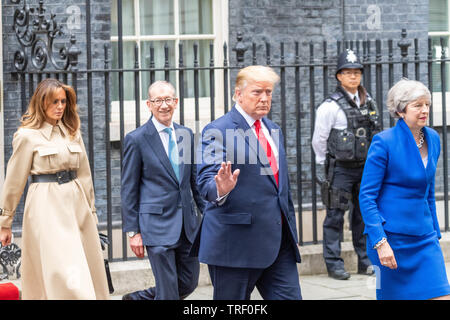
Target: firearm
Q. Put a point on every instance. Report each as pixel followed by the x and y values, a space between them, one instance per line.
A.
pixel 325 183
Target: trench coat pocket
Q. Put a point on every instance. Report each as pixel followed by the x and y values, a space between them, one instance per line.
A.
pixel 74 148
pixel 150 208
pixel 75 152
pixel 234 218
pixel 47 151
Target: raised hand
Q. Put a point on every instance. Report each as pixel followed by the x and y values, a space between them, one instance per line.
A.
pixel 225 180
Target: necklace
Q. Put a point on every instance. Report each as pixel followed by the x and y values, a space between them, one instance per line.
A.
pixel 421 140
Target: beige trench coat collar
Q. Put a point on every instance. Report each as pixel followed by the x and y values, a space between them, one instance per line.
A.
pixel 47 129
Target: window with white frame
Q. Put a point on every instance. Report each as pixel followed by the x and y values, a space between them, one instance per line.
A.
pixel 439 27
pixel 439 23
pixel 160 23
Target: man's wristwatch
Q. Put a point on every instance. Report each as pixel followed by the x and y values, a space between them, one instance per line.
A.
pixel 131 234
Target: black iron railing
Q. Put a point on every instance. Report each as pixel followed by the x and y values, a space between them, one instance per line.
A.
pixel 305 80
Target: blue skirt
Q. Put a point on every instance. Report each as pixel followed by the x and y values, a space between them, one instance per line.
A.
pixel 420 272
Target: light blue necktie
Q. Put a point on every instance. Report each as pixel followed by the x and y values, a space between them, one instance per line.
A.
pixel 173 155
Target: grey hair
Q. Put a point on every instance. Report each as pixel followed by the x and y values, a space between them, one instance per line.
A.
pixel 161 83
pixel 404 92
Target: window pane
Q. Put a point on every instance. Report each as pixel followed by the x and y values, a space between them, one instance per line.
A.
pixel 159 61
pixel 128 77
pixel 437 66
pixel 196 17
pixel 127 18
pixel 156 17
pixel 203 61
pixel 438 15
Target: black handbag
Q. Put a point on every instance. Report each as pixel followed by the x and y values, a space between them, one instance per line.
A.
pixel 104 242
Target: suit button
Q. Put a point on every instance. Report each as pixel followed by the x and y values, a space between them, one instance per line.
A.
pixel 279 222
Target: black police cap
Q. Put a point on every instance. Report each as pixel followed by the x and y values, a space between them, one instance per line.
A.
pixel 348 60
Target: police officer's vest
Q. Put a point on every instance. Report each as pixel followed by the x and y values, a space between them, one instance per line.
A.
pixel 352 144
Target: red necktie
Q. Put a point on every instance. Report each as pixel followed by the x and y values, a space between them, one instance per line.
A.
pixel 266 146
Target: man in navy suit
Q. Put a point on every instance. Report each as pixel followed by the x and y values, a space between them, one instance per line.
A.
pixel 248 235
pixel 158 176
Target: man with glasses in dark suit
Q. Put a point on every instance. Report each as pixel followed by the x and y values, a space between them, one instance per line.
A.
pixel 158 194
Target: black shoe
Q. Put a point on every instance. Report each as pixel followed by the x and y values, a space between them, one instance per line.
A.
pixel 127 296
pixel 339 274
pixel 368 271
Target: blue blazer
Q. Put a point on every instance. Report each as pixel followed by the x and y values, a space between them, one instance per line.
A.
pixel 154 202
pixel 245 231
pixel 397 191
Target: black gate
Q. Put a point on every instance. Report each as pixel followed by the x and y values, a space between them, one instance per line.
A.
pixel 304 84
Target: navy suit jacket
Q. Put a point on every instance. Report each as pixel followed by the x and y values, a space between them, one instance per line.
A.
pixel 245 231
pixel 154 202
pixel 397 191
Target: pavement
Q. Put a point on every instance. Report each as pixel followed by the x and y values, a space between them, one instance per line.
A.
pixel 315 287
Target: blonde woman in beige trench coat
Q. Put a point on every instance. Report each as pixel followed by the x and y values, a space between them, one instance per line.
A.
pixel 61 252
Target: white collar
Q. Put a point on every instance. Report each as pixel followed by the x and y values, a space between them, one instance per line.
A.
pixel 352 96
pixel 246 116
pixel 160 127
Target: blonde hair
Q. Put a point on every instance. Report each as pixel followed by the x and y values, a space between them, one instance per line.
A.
pixel 404 92
pixel 253 74
pixel 35 115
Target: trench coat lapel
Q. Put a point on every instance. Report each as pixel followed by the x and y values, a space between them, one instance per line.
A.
pixel 46 130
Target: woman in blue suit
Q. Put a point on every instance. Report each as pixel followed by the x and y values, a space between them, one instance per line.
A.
pixel 398 204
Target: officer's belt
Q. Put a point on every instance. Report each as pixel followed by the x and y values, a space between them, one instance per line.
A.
pixel 350 164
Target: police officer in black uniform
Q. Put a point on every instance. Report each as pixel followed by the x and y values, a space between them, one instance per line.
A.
pixel 345 124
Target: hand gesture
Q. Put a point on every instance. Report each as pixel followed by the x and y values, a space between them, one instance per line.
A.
pixel 386 256
pixel 225 180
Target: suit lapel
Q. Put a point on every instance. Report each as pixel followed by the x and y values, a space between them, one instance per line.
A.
pixel 430 170
pixel 154 141
pixel 412 149
pixel 240 123
pixel 181 163
pixel 281 153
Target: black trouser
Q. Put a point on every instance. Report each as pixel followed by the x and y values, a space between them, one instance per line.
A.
pixel 176 273
pixel 348 180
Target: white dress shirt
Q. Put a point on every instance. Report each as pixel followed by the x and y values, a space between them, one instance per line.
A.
pixel 251 123
pixel 164 135
pixel 328 116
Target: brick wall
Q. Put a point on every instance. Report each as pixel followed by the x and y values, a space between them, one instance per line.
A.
pixel 100 26
pixel 260 21
pixel 288 21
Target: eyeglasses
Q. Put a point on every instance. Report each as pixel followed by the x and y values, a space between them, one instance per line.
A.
pixel 169 101
pixel 351 73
